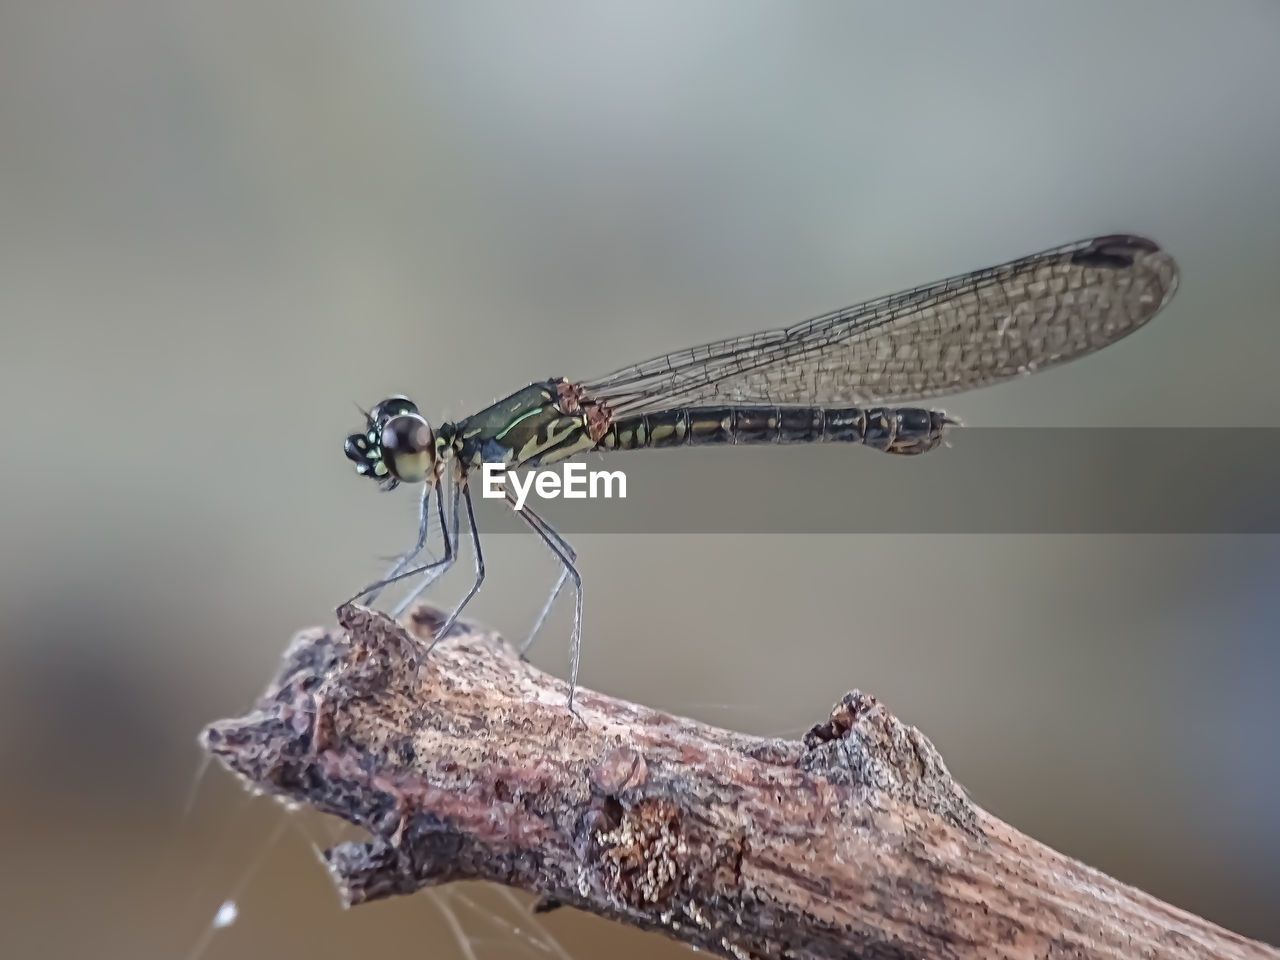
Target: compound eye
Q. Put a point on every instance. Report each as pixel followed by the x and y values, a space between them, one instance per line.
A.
pixel 356 448
pixel 392 407
pixel 408 448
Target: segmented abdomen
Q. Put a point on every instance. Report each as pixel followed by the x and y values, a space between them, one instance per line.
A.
pixel 904 430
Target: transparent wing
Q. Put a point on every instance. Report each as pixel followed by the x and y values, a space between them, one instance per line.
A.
pixel 944 337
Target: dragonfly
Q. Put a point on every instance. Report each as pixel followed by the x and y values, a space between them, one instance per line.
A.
pixel 839 377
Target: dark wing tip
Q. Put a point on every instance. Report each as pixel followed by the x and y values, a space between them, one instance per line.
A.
pixel 1114 250
pixel 1140 255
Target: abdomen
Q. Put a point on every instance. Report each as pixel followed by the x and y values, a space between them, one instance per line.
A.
pixel 902 430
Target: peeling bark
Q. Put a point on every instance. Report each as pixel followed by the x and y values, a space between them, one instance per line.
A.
pixel 855 842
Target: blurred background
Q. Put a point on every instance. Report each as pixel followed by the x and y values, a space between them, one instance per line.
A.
pixel 223 225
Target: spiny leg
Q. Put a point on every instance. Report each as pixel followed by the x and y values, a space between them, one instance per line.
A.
pixel 555 591
pixel 424 526
pixel 546 611
pixel 465 490
pixel 567 557
pixel 375 588
pixel 434 572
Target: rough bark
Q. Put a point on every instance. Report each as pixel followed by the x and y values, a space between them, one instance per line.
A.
pixel 855 842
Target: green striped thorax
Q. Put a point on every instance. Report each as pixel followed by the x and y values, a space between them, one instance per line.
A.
pixel 543 423
pixel 535 426
pixel 397 446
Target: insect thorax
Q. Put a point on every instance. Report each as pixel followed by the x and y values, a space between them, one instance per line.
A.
pixel 534 426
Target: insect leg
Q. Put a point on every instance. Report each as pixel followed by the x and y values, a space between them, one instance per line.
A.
pixel 567 557
pixel 555 591
pixel 373 589
pixel 546 610
pixel 464 489
pixel 406 558
pixel 437 570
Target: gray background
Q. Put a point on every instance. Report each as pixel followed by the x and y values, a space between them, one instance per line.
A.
pixel 222 225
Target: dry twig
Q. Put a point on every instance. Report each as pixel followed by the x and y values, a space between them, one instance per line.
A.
pixel 855 842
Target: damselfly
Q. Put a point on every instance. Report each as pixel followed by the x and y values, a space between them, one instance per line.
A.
pixel 826 380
